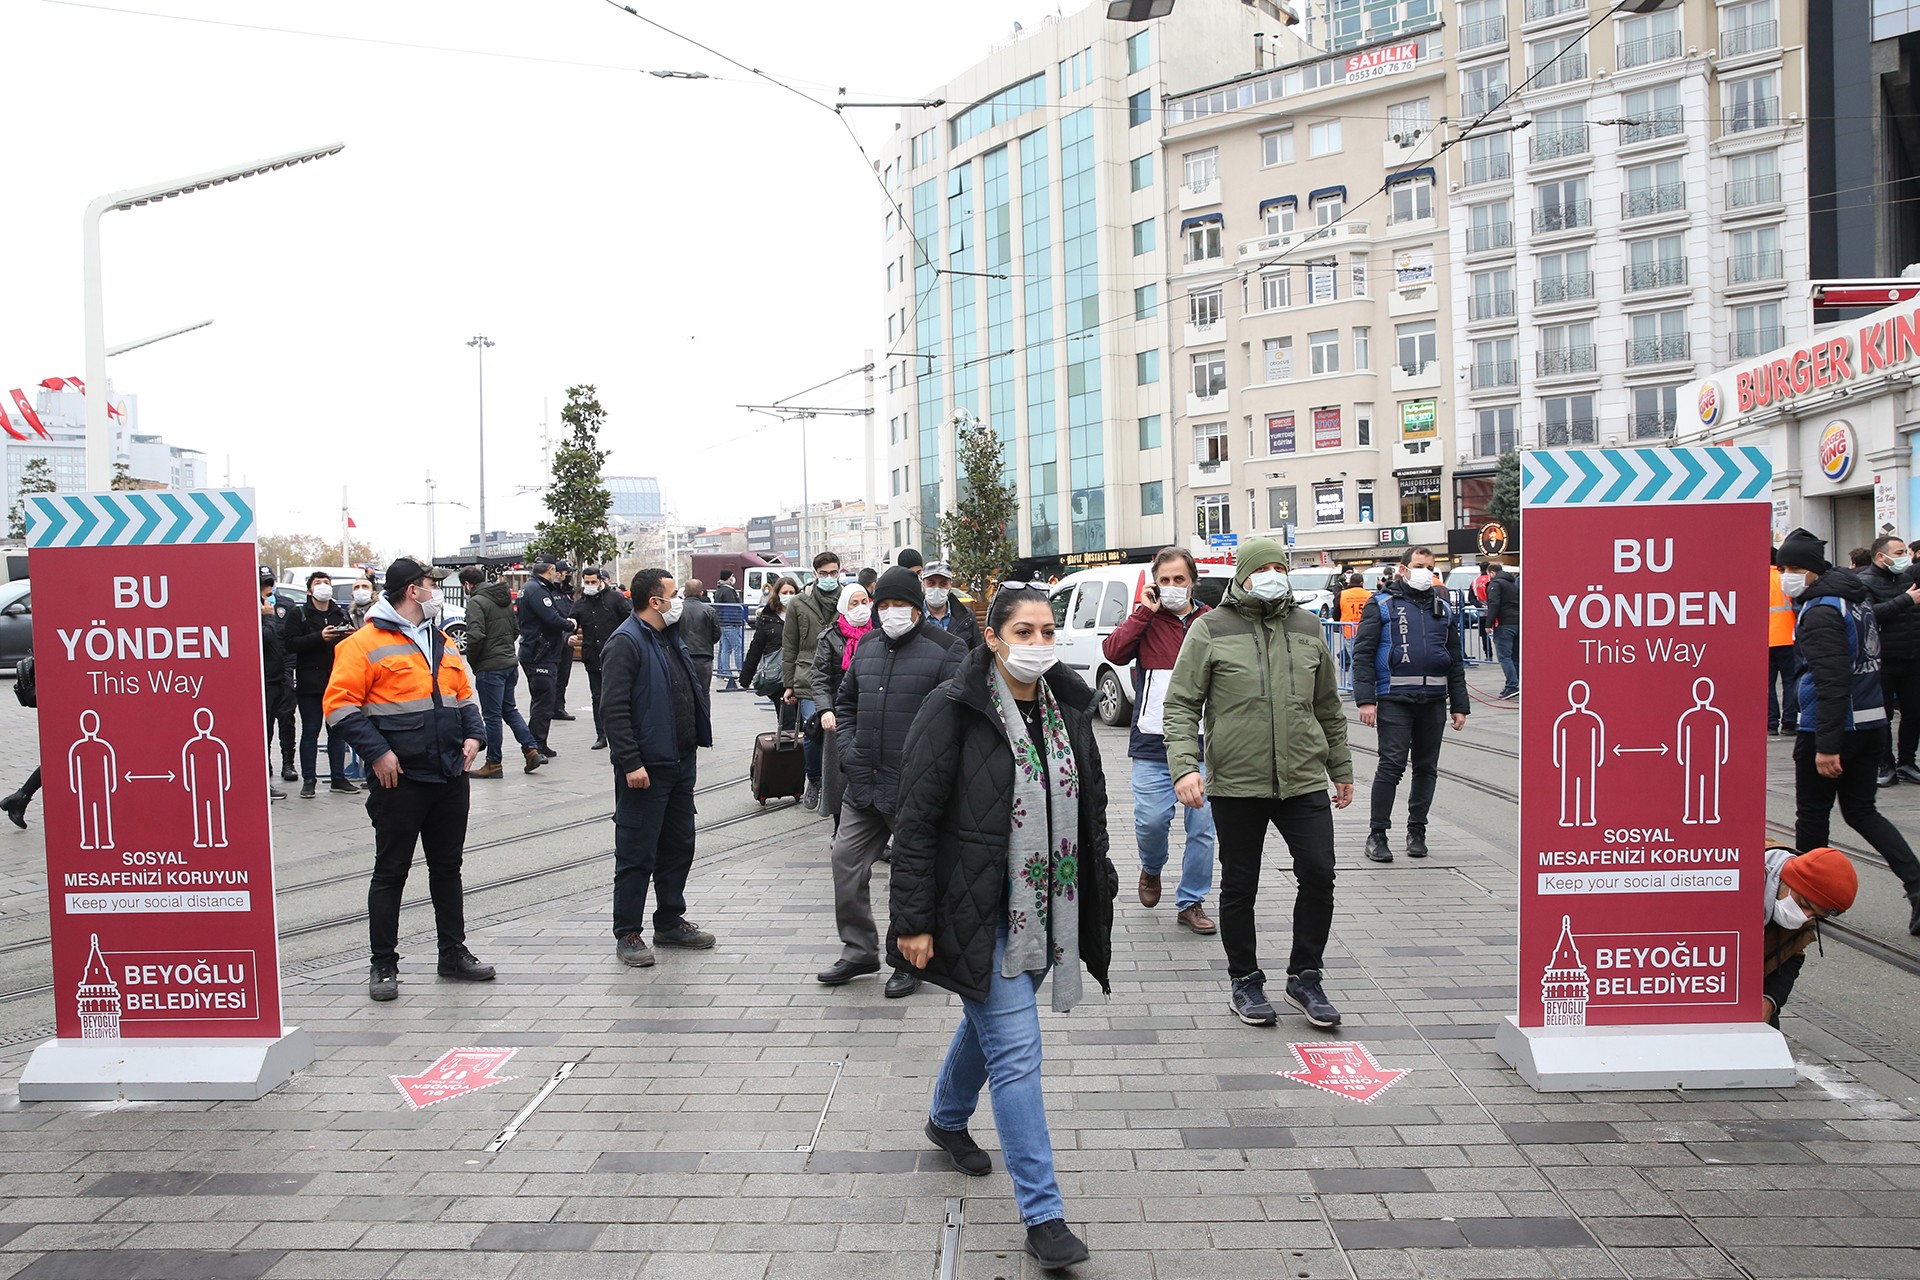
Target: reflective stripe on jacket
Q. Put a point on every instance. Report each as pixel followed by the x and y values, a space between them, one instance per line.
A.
pixel 383 697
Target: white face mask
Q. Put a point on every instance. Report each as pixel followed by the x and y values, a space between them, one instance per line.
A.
pixel 896 620
pixel 323 591
pixel 1900 564
pixel 1790 914
pixel 591 589
pixel 1420 579
pixel 432 604
pixel 1793 584
pixel 786 598
pixel 672 614
pixel 1175 598
pixel 937 597
pixel 1028 662
pixel 362 595
pixel 1269 584
pixel 860 614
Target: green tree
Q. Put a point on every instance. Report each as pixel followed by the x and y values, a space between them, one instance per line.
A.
pixel 123 476
pixel 576 495
pixel 974 533
pixel 36 478
pixel 277 550
pixel 1504 506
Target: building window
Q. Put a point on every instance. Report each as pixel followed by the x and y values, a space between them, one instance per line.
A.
pixel 1328 210
pixel 1362 348
pixel 1653 37
pixel 1323 282
pixel 1652 414
pixel 1150 431
pixel 1568 420
pixel 1323 139
pixel 1358 264
pixel 1278 217
pixel 1654 189
pixel 1748 28
pixel 1564 277
pixel 1142 169
pixel 1647 114
pixel 1280 505
pixel 1658 337
pixel 1324 349
pixel 1755 179
pixel 1146 367
pixel 1204 308
pixel 1210 442
pixel 1419 499
pixel 1656 263
pixel 1566 349
pixel 1482 22
pixel 1363 425
pixel 1152 502
pixel 1276 289
pixel 1140 108
pixel 1482 89
pixel 1210 374
pixel 1278 357
pixel 1556 60
pixel 1417 346
pixel 1201 168
pixel 1203 241
pixel 1493 434
pixel 1490 227
pixel 1562 206
pixel 1076 72
pixel 1329 503
pixel 1143 236
pixel 1138 51
pixel 1560 133
pixel 1363 502
pixel 1493 364
pixel 1412 201
pixel 1750 104
pixel 1213 516
pixel 1489 158
pixel 1490 294
pixel 1757 329
pixel 1756 256
pixel 1146 301
pixel 1276 147
pixel 1408 120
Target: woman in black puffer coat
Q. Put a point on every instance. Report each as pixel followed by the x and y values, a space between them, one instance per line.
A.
pixel 956 919
pixel 768 626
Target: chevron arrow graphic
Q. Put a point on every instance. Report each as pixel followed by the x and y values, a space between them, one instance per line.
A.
pixel 1628 472
pixel 1591 473
pixel 1729 472
pixel 1689 460
pixel 214 516
pixel 89 518
pixel 119 513
pixel 1662 471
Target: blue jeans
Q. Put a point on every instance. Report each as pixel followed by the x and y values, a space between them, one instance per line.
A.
pixel 1506 645
pixel 495 689
pixel 311 721
pixel 998 1042
pixel 811 750
pixel 1153 807
pixel 733 647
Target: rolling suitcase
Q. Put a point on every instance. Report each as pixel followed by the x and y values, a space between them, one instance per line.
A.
pixel 779 766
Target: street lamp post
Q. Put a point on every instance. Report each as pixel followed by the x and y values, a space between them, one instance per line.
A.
pixel 480 342
pixel 99 425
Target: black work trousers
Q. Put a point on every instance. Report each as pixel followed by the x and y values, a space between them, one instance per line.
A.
pixel 1240 827
pixel 280 707
pixel 1900 681
pixel 1407 730
pixel 434 814
pixel 562 675
pixel 1783 694
pixel 593 687
pixel 1860 754
pixel 653 836
pixel 543 687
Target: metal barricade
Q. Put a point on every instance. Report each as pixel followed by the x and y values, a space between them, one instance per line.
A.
pixel 1339 636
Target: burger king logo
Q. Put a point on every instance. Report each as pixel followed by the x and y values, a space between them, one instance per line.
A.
pixel 1710 403
pixel 1837 450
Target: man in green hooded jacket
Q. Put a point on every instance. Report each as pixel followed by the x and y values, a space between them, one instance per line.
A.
pixel 1258 670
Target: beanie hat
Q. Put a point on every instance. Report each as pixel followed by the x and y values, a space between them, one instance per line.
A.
pixel 1253 553
pixel 1801 550
pixel 1824 877
pixel 900 585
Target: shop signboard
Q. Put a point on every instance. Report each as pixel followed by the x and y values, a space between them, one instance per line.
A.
pixel 1386 60
pixel 1419 420
pixel 1281 437
pixel 1326 428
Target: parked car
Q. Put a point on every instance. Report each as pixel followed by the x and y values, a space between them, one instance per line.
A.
pixel 1088 605
pixel 1313 590
pixel 16 622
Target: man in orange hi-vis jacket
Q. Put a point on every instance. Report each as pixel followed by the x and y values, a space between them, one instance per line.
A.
pixel 402 697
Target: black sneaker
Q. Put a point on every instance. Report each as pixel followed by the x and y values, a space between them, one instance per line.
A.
pixel 1416 844
pixel 1053 1246
pixel 461 965
pixel 1908 772
pixel 273 793
pixel 1250 1003
pixel 966 1154
pixel 1377 849
pixel 1886 777
pixel 1304 994
pixel 288 773
pixel 565 715
pixel 811 797
pixel 549 752
pixel 306 789
pixel 599 744
pixel 383 980
pixel 1913 921
pixel 688 935
pixel 634 951
pixel 341 787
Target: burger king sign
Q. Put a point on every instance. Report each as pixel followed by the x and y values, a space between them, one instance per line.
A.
pixel 1838 450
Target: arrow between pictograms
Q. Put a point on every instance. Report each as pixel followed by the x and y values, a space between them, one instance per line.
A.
pixel 1344 1068
pixel 1619 750
pixel 150 777
pixel 456 1072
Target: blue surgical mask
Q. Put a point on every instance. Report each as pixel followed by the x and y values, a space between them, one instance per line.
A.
pixel 828 582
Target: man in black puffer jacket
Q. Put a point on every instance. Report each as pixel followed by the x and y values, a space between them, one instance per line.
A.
pixel 1889 584
pixel 895 668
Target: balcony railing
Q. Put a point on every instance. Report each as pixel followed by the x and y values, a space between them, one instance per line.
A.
pixel 1490 237
pixel 1757 113
pixel 1490 306
pixel 1655 48
pixel 1657 350
pixel 1572 431
pixel 1658 122
pixel 1571 287
pixel 1650 426
pixel 1560 361
pixel 1495 373
pixel 1749 268
pixel 1497 167
pixel 1667 273
pixel 1488 444
pixel 1562 69
pixel 1568 140
pixel 1669 197
pixel 1477 35
pixel 1761 188
pixel 1538 9
pixel 1737 42
pixel 1748 343
pixel 1565 216
pixel 1477 102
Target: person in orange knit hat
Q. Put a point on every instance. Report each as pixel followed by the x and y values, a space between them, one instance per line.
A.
pixel 1802 890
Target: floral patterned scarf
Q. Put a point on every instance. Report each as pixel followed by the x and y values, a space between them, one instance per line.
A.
pixel 1043 853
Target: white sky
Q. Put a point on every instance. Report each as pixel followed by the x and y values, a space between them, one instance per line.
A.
pixel 685 246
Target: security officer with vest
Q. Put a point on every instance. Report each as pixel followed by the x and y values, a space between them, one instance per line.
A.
pixel 1783 694
pixel 1408 674
pixel 1843 713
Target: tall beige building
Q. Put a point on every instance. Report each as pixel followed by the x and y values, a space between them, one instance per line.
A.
pixel 1311 341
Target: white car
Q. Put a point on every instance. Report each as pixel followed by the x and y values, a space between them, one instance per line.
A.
pixel 1088 605
pixel 292 591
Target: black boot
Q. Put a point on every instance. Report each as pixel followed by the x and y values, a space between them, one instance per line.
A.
pixel 287 772
pixel 1416 843
pixel 1377 849
pixel 1913 920
pixel 15 807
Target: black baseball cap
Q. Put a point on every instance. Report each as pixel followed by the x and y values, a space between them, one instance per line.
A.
pixel 406 571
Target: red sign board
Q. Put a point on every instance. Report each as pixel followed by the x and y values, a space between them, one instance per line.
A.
pixel 154 758
pixel 1643 759
pixel 1326 428
pixel 454 1074
pixel 1343 1068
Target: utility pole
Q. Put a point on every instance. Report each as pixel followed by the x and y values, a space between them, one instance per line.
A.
pixel 802 414
pixel 433 547
pixel 873 494
pixel 480 342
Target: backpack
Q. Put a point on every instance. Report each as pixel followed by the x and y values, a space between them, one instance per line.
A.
pixel 767 681
pixel 24 687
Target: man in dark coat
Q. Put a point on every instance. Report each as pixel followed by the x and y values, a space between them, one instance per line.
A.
pixel 563 669
pixel 895 667
pixel 1889 583
pixel 700 632
pixel 1843 713
pixel 943 610
pixel 543 642
pixel 1503 616
pixel 281 701
pixel 656 722
pixel 313 631
pixel 600 609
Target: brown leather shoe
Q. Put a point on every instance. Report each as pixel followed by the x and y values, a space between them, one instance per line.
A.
pixel 491 769
pixel 534 759
pixel 1195 918
pixel 1149 890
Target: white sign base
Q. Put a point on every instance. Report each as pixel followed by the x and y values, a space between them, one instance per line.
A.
pixel 161 1070
pixel 1688 1056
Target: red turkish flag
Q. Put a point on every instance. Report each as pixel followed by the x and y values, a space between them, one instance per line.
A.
pixel 7 423
pixel 26 411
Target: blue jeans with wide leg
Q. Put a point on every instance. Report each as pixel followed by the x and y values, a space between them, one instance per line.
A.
pixel 998 1048
pixel 1153 808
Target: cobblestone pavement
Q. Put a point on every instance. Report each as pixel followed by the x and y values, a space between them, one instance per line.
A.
pixel 726 1118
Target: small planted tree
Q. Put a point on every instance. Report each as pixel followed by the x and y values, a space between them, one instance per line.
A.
pixel 577 495
pixel 36 477
pixel 1504 506
pixel 975 533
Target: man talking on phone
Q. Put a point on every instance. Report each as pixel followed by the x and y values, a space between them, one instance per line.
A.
pixel 313 631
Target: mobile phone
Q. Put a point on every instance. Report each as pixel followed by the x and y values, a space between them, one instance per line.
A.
pixel 1153 594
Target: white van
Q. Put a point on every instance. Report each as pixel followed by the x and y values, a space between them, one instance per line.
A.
pixel 757 580
pixel 1088 605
